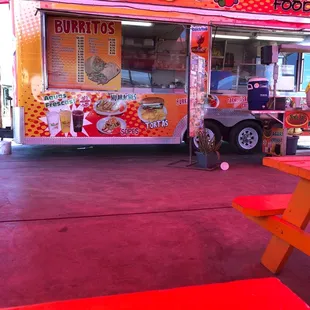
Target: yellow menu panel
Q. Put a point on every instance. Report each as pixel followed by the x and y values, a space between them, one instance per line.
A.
pixel 83 53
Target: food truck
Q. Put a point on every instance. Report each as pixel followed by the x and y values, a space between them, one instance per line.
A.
pixel 125 72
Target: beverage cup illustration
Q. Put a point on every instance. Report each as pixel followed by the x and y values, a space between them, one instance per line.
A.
pixel 78 117
pixel 53 122
pixel 65 120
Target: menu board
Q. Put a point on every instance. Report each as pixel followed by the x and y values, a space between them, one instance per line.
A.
pixel 104 115
pixel 83 53
pixel 197 87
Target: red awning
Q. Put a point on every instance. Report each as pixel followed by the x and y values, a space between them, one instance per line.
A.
pixel 4 1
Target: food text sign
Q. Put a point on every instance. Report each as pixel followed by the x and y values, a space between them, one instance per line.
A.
pixel 83 53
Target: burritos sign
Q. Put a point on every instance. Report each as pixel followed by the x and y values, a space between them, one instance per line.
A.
pixel 83 53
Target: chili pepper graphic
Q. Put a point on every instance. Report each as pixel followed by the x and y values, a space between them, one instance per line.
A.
pixel 226 3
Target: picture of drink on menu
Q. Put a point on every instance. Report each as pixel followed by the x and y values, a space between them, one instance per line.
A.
pixel 65 121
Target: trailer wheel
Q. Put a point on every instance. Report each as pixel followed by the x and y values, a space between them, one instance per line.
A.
pixel 212 130
pixel 246 137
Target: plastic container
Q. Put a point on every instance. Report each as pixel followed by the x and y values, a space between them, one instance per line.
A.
pixel 291 145
pixel 258 93
pixel 5 148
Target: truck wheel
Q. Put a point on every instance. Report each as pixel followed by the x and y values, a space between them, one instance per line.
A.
pixel 246 137
pixel 212 130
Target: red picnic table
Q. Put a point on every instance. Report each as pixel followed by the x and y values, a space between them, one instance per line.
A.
pixel 256 294
pixel 286 216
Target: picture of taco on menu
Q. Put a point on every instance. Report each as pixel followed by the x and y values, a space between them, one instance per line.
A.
pixel 100 72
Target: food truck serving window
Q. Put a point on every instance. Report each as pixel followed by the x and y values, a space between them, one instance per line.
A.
pixel 236 59
pixel 97 54
pixel 154 58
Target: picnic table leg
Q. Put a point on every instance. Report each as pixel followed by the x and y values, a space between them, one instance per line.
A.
pixel 298 214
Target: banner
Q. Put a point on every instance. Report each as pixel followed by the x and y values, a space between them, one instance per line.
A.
pixel 270 7
pixel 200 45
pixel 83 53
pixel 197 94
pixel 272 139
pixel 297 119
pixel 105 115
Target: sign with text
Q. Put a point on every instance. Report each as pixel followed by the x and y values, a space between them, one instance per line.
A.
pixel 197 94
pixel 83 53
pixel 272 140
pixel 297 119
pixel 106 115
pixel 200 45
pixel 270 7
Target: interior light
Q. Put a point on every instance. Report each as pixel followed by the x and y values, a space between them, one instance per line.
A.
pixel 228 36
pixel 283 39
pixel 306 41
pixel 139 24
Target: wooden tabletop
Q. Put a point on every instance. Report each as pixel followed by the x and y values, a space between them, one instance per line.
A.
pixel 295 165
pixel 267 294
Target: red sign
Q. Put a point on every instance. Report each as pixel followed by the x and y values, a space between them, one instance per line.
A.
pixel 297 119
pixel 200 45
pixel 85 101
pixel 226 3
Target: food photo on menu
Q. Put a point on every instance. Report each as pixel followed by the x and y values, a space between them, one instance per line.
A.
pixel 99 71
pixel 110 125
pixel 149 110
pixel 109 107
pixel 152 109
pixel 213 101
pixel 65 121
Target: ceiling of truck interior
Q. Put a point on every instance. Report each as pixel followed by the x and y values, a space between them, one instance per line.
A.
pixel 253 32
pixel 163 31
pixel 173 31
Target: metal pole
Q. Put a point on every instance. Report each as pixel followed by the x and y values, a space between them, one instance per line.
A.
pixel 275 80
pixel 190 150
pixel 188 65
pixel 0 103
pixel 284 141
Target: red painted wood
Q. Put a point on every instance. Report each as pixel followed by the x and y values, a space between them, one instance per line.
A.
pixel 286 158
pixel 262 205
pixel 256 294
pixel 295 165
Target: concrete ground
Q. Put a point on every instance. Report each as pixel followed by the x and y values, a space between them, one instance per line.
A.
pixel 107 220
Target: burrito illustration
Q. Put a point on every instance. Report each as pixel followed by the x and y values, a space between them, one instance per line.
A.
pixel 99 71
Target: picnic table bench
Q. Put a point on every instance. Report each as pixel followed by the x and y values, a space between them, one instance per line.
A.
pixel 286 216
pixel 254 294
